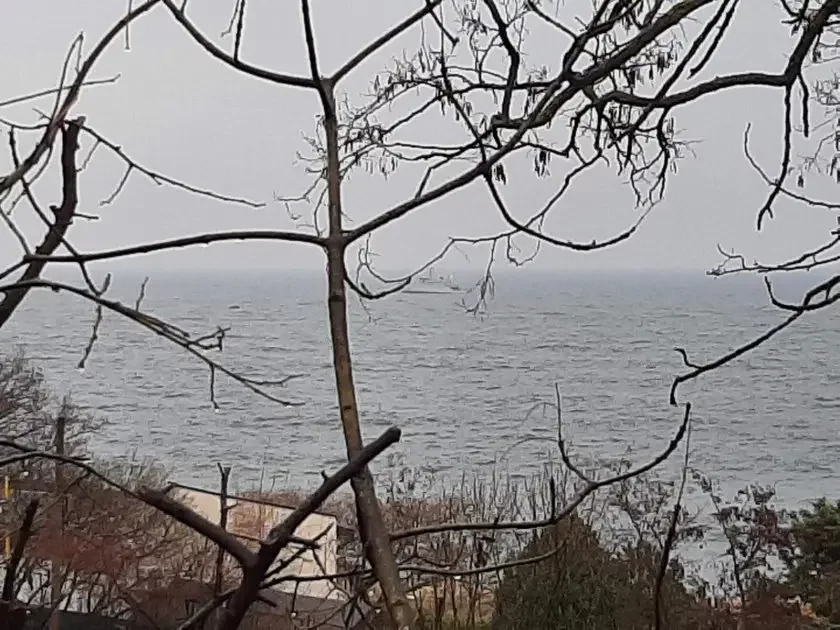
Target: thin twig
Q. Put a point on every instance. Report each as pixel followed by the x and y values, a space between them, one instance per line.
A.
pixel 63 110
pixel 168 332
pixel 158 178
pixel 552 519
pixel 671 537
pixel 52 91
pixel 384 39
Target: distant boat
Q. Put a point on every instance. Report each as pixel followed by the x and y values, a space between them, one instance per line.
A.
pixel 434 284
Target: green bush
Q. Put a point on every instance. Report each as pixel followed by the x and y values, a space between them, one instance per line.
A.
pixel 813 558
pixel 579 584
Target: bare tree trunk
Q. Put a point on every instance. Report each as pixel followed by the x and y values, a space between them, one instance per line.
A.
pixel 56 568
pixel 223 519
pixel 374 535
pixel 12 615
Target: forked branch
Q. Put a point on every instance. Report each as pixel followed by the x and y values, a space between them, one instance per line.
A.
pixel 61 221
pixel 57 120
pixel 279 536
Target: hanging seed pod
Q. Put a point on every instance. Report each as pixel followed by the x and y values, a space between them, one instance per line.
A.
pixel 499 173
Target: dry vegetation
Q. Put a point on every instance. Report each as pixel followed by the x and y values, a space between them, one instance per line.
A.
pixel 601 567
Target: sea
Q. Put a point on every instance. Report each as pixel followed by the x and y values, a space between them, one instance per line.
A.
pixel 472 392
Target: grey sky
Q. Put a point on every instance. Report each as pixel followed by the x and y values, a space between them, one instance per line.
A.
pixel 178 111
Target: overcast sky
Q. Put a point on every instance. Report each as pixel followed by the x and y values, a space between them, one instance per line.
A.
pixel 179 111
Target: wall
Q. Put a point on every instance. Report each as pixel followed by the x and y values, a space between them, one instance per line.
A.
pixel 251 519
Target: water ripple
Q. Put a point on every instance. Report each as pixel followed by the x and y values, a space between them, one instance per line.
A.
pixel 462 388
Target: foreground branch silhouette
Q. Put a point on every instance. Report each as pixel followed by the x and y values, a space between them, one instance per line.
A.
pixel 255 565
pixel 606 97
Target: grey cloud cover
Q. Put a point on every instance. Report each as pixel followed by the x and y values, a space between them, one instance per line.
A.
pixel 180 112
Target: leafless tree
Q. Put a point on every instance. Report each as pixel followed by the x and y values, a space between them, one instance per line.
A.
pixel 95 547
pixel 607 96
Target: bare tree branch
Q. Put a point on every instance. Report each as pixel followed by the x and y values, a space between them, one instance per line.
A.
pixel 187 241
pixel 17 100
pixel 241 66
pixel 63 217
pixel 181 513
pixel 577 500
pixel 157 177
pixel 671 536
pixel 808 304
pixel 57 120
pixel 280 534
pixel 384 40
pixel 170 333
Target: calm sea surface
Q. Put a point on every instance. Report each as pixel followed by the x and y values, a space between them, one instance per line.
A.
pixel 462 388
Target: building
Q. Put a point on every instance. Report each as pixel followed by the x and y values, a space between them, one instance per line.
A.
pixel 251 519
pixel 123 562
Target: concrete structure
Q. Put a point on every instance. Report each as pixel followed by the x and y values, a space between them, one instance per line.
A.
pixel 251 520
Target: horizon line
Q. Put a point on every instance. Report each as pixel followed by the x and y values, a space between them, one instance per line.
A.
pixel 505 270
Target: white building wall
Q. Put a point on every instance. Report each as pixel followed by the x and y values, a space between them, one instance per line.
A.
pixel 255 520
